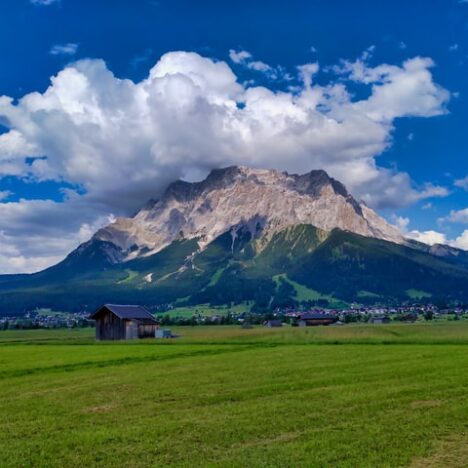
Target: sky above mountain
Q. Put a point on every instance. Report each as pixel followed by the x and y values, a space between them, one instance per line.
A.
pixel 104 102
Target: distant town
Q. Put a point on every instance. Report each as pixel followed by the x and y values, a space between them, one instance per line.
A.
pixel 48 319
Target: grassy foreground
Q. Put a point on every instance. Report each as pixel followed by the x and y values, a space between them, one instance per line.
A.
pixel 220 396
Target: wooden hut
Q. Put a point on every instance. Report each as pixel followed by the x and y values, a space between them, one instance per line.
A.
pixel 379 319
pixel 123 322
pixel 310 319
pixel 273 323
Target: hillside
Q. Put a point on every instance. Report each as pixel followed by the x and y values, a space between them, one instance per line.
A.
pixel 330 267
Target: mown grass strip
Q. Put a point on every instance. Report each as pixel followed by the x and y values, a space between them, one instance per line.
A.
pixel 128 360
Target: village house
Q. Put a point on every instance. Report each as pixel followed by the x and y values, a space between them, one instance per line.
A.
pixel 123 322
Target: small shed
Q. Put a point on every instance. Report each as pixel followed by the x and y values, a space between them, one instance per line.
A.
pixel 273 323
pixel 410 318
pixel 163 333
pixel 379 320
pixel 123 322
pixel 310 319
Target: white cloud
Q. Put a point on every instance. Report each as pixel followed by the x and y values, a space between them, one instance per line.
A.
pixel 402 45
pixel 461 242
pixel 428 237
pixel 431 191
pixel 64 49
pixel 240 56
pixel 306 72
pixel 387 189
pixel 453 47
pixel 121 142
pixel 401 223
pixel 35 234
pixel 434 237
pixel 259 66
pixel 398 91
pixel 462 183
pixel 4 194
pixel 456 216
pixel 245 58
pixel 44 2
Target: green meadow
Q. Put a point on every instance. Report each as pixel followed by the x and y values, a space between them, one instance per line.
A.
pixel 350 396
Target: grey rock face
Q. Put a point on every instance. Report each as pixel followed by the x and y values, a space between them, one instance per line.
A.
pixel 241 196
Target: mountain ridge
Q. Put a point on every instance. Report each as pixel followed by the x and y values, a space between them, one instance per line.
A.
pixel 238 195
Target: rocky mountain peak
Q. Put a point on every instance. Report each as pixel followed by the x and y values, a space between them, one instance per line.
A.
pixel 240 196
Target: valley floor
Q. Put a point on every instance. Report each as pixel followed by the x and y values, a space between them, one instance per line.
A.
pixel 385 395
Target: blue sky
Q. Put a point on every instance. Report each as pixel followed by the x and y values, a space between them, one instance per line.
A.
pixel 40 183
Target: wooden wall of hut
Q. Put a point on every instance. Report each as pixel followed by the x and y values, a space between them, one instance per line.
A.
pixel 109 326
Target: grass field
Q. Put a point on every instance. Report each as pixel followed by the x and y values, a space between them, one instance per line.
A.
pixel 357 396
pixel 304 293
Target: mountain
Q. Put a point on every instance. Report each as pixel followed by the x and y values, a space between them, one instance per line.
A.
pixel 264 201
pixel 263 236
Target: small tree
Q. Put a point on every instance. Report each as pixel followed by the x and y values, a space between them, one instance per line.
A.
pixel 428 315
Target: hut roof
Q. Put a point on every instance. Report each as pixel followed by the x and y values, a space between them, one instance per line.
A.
pixel 127 312
pixel 315 316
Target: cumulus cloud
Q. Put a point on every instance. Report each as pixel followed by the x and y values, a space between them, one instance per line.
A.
pixel 387 189
pixel 245 58
pixel 64 49
pixel 398 91
pixel 461 242
pixel 431 237
pixel 35 234
pixel 434 237
pixel 44 2
pixel 401 223
pixel 456 216
pixel 428 237
pixel 4 194
pixel 121 142
pixel 239 56
pixel 306 72
pixel 462 183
